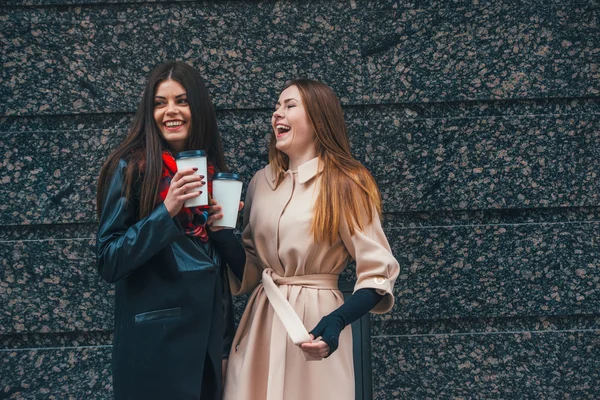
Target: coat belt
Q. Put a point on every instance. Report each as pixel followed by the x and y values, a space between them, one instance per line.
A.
pixel 284 310
pixel 316 281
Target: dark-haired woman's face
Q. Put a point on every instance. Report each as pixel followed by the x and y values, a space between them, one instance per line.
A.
pixel 172 113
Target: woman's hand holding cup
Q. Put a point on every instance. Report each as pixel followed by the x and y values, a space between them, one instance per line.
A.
pixel 184 185
pixel 215 213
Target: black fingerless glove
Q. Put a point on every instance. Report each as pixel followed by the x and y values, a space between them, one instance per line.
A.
pixel 330 327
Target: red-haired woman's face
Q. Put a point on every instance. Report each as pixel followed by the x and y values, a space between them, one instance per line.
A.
pixel 290 124
pixel 172 113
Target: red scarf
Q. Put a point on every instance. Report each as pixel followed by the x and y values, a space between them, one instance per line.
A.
pixel 193 220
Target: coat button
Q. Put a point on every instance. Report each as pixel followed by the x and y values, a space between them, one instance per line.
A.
pixel 379 280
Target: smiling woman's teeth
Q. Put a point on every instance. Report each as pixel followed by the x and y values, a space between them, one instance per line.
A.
pixel 282 128
pixel 173 123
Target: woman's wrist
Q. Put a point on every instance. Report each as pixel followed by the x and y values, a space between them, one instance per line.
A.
pixel 224 236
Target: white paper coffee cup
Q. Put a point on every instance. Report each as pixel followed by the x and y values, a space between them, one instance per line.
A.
pixel 194 159
pixel 227 191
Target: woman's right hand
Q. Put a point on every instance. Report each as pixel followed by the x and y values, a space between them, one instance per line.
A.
pixel 184 185
pixel 215 214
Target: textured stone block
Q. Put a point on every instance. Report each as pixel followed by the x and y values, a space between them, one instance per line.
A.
pixel 480 162
pixel 506 365
pixel 476 271
pixel 500 51
pixel 56 373
pixel 51 285
pixel 95 59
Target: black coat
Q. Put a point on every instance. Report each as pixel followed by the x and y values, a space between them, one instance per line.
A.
pixel 170 298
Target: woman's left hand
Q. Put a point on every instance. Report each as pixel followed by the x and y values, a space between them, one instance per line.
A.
pixel 214 214
pixel 318 349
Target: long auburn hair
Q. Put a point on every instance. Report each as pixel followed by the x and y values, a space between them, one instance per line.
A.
pixel 348 191
pixel 144 145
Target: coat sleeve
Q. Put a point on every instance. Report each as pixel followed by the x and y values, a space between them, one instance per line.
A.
pixel 228 316
pixel 252 269
pixel 124 244
pixel 376 266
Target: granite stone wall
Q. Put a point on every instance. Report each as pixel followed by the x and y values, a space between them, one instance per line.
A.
pixel 479 119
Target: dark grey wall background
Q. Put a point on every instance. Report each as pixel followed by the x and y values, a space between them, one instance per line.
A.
pixel 479 120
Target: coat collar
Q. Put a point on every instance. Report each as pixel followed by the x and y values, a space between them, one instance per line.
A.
pixel 306 172
pixel 309 170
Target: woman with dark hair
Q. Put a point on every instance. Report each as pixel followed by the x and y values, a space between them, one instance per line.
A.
pixel 170 292
pixel 307 213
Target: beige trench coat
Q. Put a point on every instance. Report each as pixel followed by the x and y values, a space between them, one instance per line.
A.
pixel 264 363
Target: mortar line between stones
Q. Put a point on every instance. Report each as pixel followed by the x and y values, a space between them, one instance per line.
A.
pixel 104 346
pixel 44 240
pixel 348 122
pixel 486 333
pixel 387 229
pixel 490 224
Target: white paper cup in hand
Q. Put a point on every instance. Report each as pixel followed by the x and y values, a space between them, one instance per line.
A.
pixel 194 159
pixel 227 190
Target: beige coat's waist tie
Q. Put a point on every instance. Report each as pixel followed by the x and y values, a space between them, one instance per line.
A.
pixel 284 310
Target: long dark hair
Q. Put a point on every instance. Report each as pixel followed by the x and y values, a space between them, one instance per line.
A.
pixel 348 191
pixel 143 147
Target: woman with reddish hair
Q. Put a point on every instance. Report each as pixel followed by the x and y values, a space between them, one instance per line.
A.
pixel 307 213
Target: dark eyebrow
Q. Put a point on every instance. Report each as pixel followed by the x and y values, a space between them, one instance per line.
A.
pixel 286 101
pixel 177 97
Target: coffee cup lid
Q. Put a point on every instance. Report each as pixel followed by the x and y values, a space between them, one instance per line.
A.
pixel 190 154
pixel 227 176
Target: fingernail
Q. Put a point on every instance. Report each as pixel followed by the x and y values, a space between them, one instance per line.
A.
pixel 201 176
pixel 201 192
pixel 195 169
pixel 204 183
